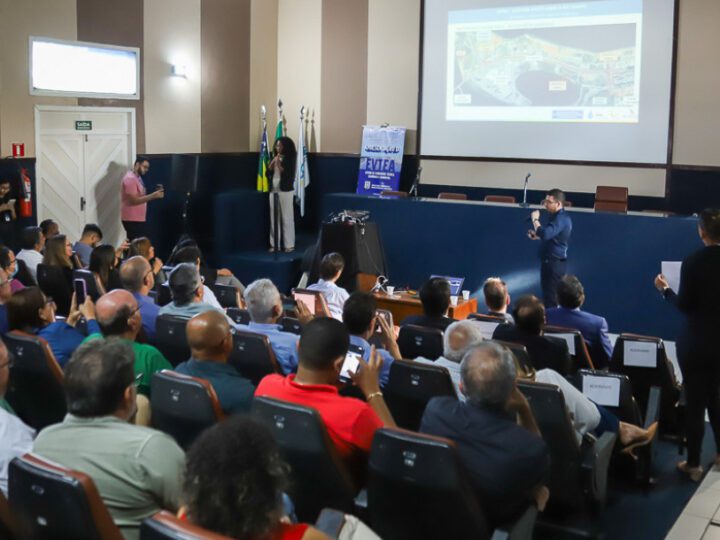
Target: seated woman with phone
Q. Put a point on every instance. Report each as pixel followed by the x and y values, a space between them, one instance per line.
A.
pixel 30 311
pixel 104 266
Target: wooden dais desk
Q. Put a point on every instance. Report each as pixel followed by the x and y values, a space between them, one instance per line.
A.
pixel 403 305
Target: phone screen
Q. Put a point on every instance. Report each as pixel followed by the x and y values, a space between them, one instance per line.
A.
pixel 307 299
pixel 351 362
pixel 80 291
pixel 289 304
pixel 385 314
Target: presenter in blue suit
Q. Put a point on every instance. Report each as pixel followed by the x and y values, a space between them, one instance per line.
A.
pixel 554 237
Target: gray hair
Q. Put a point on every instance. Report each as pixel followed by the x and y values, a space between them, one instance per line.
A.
pixel 488 375
pixel 184 280
pixel 473 336
pixel 261 296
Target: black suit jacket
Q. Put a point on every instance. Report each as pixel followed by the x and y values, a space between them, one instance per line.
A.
pixel 544 351
pixel 441 323
pixel 699 299
pixel 287 177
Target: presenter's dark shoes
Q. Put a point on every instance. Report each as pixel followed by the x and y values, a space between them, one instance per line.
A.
pixel 640 437
pixel 693 473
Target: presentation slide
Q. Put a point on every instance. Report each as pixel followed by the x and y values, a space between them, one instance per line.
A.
pixel 538 79
pixel 551 63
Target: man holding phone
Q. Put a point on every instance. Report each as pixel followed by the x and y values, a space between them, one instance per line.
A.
pixel 134 199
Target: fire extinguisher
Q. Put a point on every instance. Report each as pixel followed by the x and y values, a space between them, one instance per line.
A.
pixel 26 200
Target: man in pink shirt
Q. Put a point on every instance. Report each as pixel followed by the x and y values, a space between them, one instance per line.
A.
pixel 133 203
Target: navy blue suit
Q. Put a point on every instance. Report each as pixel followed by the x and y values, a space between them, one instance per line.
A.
pixel 593 328
pixel 554 238
pixel 505 462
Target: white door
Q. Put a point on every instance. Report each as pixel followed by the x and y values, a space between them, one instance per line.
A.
pixel 79 170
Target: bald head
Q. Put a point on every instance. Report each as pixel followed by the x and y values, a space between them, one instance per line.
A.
pixel 117 314
pixel 134 274
pixel 209 337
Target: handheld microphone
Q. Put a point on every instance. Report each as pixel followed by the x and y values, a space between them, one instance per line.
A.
pixel 524 202
pixel 414 189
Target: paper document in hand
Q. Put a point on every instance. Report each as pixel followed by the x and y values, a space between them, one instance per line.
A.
pixel 671 271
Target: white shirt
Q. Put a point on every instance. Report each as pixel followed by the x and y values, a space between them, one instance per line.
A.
pixel 31 258
pixel 335 297
pixel 210 298
pixel 584 413
pixel 16 439
pixel 452 367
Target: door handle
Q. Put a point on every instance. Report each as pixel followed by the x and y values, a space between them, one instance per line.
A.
pixel 82 204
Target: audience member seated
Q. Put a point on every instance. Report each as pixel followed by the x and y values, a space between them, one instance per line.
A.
pixel 104 266
pixel 49 229
pixel 265 307
pixel 31 311
pixel 143 247
pixel 459 337
pixel 10 265
pixel 237 492
pixel 220 276
pixel 58 252
pixel 435 298
pixel 361 319
pixel 594 329
pixel 192 255
pixel 507 463
pixel 587 416
pixel 91 236
pixel 118 315
pixel 211 341
pixel 5 295
pixel 497 299
pixel 350 422
pixel 544 351
pixel 331 268
pixel 32 243
pixel 16 439
pixel 188 293
pixel 137 470
pixel 136 276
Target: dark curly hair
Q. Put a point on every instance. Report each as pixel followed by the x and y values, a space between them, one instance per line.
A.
pixel 234 477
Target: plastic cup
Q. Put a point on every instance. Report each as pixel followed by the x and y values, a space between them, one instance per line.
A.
pixel 453 300
pixel 466 295
pixel 390 290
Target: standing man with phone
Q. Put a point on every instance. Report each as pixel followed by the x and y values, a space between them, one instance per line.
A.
pixel 554 238
pixel 134 199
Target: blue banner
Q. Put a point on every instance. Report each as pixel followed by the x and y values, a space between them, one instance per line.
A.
pixel 380 159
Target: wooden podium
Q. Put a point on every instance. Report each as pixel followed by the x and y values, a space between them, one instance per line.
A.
pixel 402 305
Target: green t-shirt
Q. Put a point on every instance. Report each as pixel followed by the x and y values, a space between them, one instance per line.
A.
pixel 148 360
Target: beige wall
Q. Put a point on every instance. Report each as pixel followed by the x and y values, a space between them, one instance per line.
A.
pixel 172 104
pixel 393 65
pixel 298 69
pixel 18 21
pixel 263 67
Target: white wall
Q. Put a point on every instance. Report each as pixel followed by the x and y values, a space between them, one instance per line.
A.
pixel 172 104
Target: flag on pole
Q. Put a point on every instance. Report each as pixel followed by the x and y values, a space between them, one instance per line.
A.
pixel 302 175
pixel 279 129
pixel 264 159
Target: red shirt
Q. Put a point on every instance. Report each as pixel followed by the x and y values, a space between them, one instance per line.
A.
pixel 350 423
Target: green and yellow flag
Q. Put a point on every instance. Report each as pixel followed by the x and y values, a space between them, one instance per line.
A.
pixel 263 162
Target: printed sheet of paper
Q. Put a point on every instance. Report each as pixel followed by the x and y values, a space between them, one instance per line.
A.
pixel 602 390
pixel 569 339
pixel 671 271
pixel 640 353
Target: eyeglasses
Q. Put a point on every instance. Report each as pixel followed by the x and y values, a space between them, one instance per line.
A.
pixel 138 379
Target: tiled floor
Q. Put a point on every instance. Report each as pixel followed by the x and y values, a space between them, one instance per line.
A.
pixel 701 517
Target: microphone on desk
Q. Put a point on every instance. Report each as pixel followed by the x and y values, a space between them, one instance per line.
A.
pixel 414 188
pixel 524 202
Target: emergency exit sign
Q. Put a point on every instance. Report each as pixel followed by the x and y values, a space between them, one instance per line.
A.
pixel 83 125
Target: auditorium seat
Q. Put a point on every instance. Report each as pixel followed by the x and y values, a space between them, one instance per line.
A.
pixel 519 352
pixel 8 524
pixel 625 407
pixel 52 502
pixel 576 345
pixel 611 199
pixel 417 488
pixel 54 283
pixel 578 474
pixel 171 338
pixel 500 199
pixel 229 297
pixel 35 388
pixel 319 477
pixel 410 386
pixel 239 315
pixel 399 194
pixel 452 196
pixel 415 341
pixel 291 324
pixel 487 323
pixel 657 370
pixel 164 296
pixel 253 356
pixel 183 406
pixel 92 287
pixel 166 526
